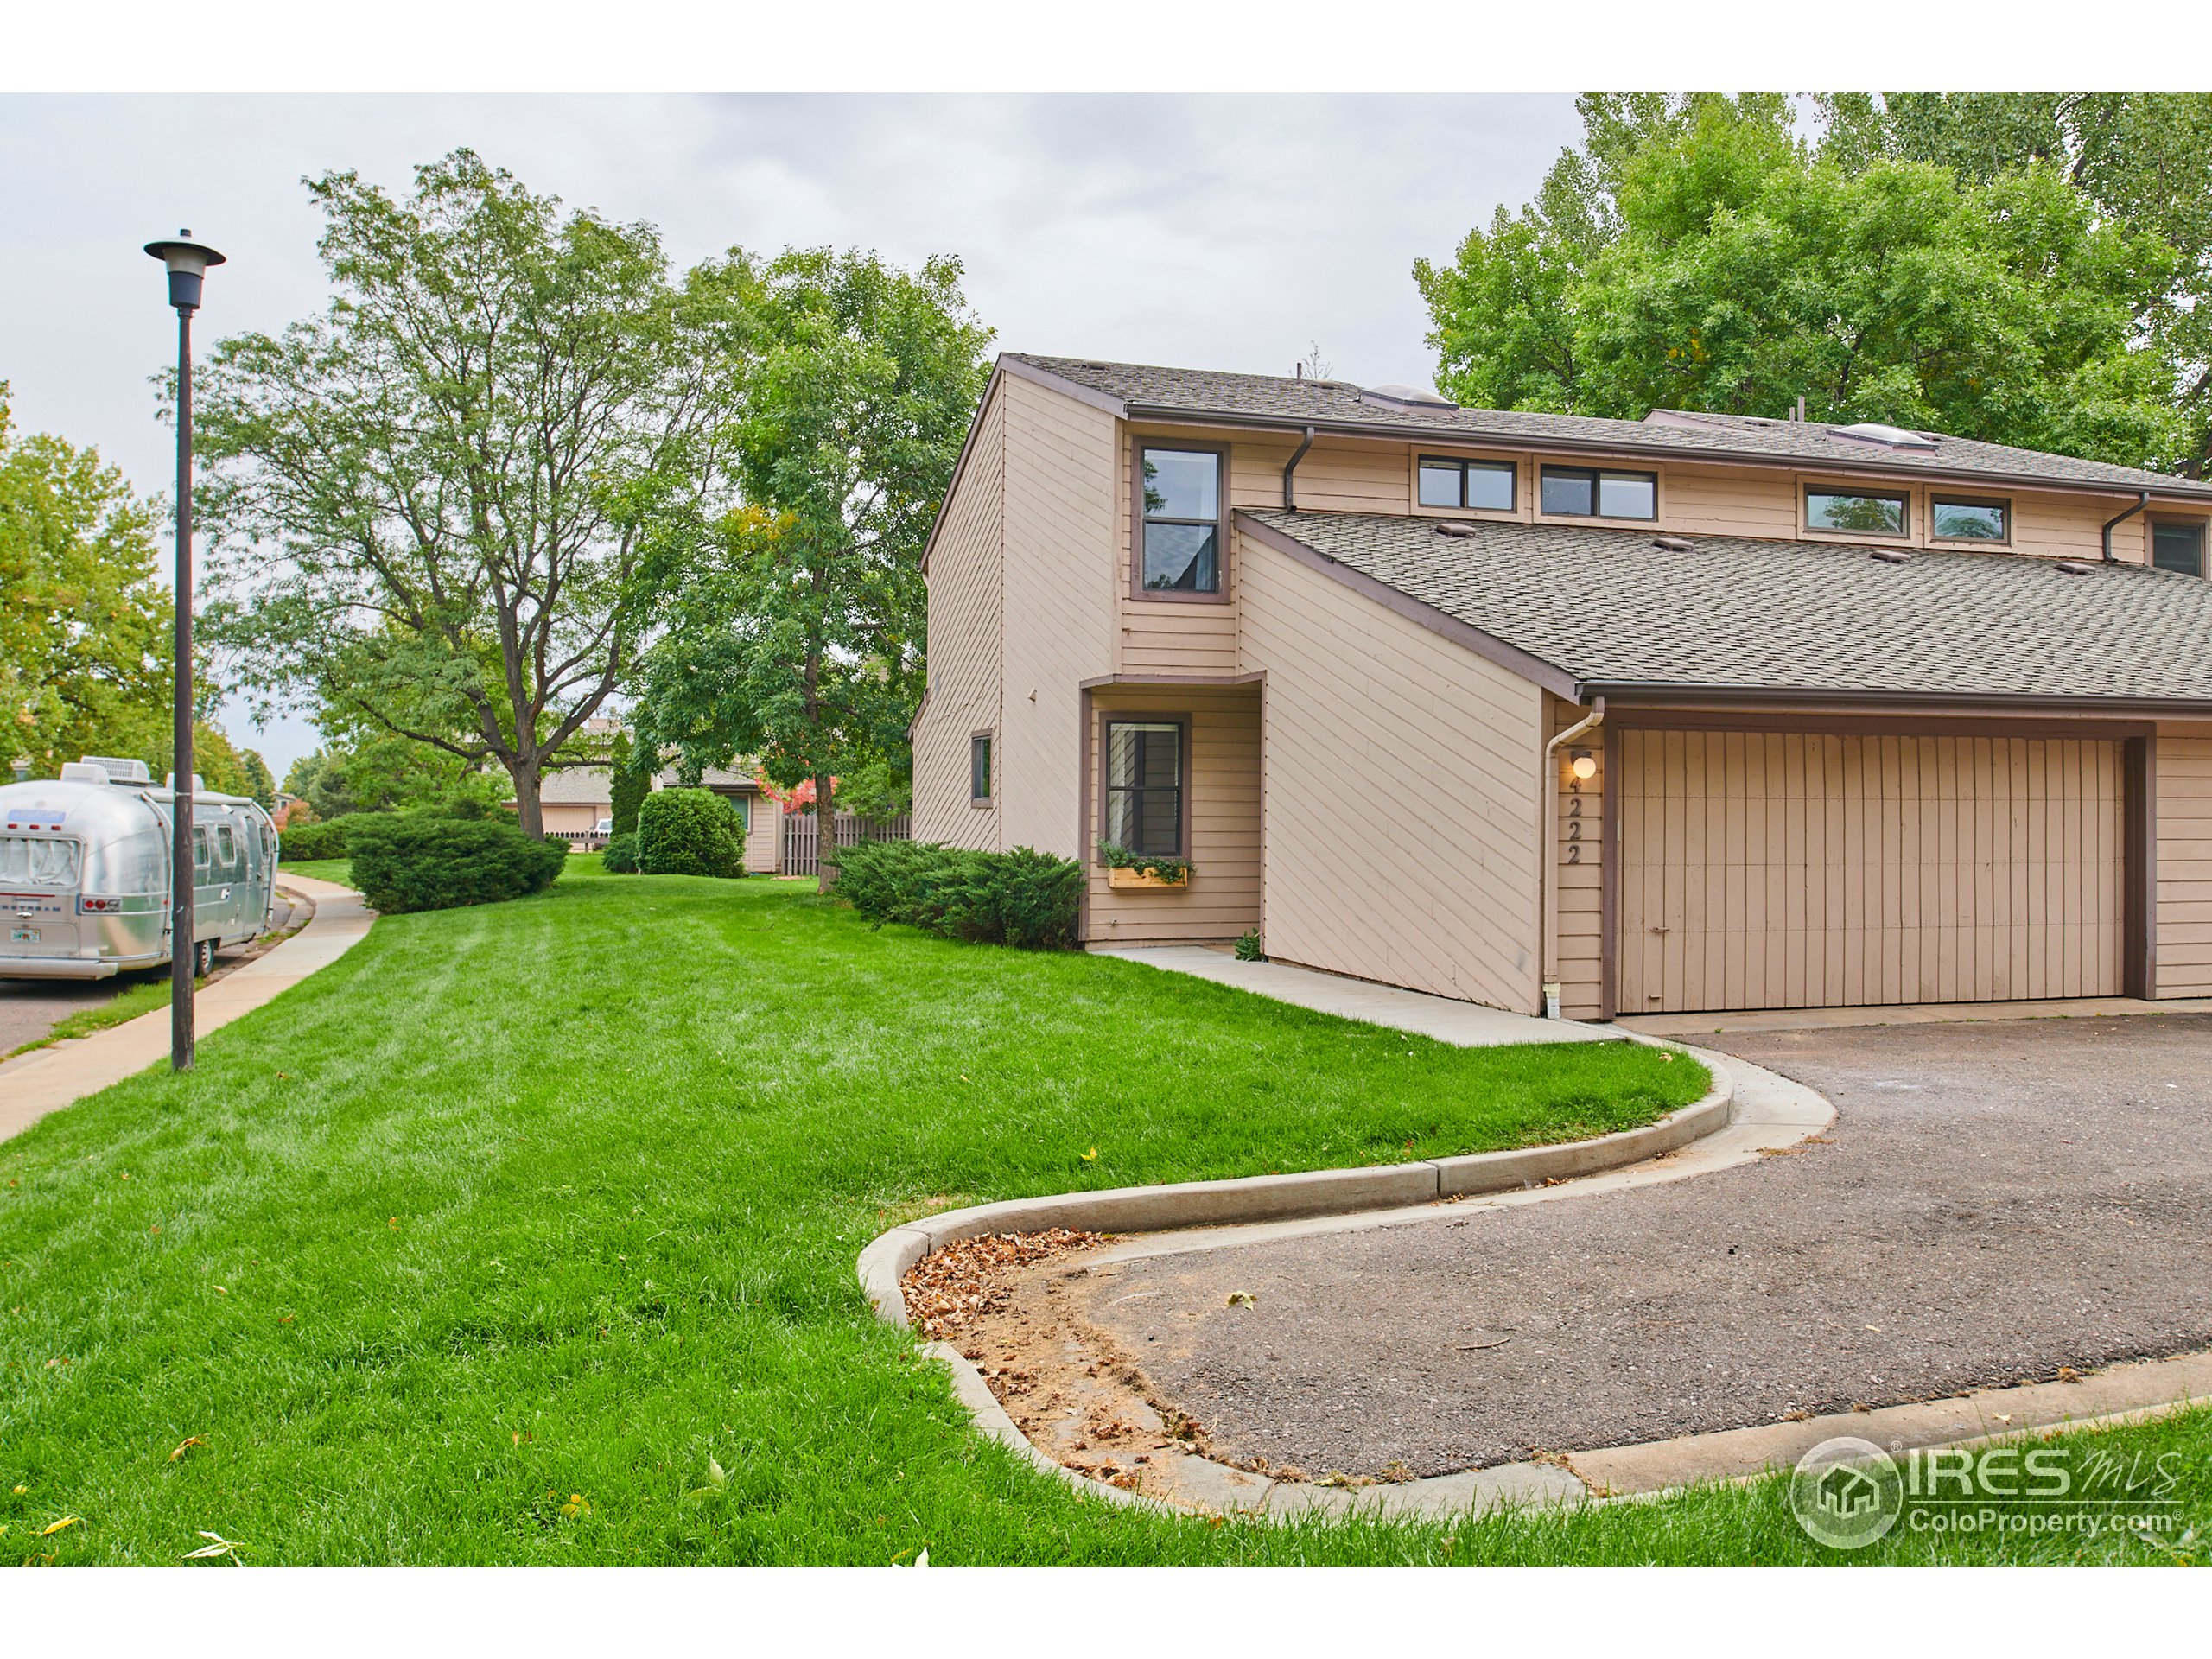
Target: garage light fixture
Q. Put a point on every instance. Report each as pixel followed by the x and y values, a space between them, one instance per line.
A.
pixel 1582 764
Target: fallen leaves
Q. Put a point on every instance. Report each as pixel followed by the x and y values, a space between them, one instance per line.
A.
pixel 217 1548
pixel 1091 1157
pixel 949 1289
pixel 578 1504
pixel 190 1441
pixel 64 1523
pixel 1243 1299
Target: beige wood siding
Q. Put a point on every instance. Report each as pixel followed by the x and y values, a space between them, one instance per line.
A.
pixel 763 833
pixel 1222 776
pixel 1062 468
pixel 967 561
pixel 1578 867
pixel 2184 880
pixel 1403 792
pixel 1786 870
pixel 1711 501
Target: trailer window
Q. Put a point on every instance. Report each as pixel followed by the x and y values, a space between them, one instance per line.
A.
pixel 35 861
pixel 199 847
pixel 226 845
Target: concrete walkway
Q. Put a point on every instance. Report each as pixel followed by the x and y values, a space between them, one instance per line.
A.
pixel 1469 1025
pixel 47 1079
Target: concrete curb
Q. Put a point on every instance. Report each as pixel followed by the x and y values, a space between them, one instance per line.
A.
pixel 1284 1198
pixel 47 1079
pixel 1277 1198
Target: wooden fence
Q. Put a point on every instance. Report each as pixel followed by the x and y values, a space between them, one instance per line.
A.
pixel 801 835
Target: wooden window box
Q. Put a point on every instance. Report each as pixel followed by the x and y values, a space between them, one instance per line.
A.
pixel 1118 877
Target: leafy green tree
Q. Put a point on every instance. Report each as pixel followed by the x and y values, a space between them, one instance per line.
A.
pixel 1697 254
pixel 798 636
pixel 632 781
pixel 438 502
pixel 260 783
pixel 86 645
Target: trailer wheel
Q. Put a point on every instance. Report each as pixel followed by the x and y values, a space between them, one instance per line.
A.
pixel 203 958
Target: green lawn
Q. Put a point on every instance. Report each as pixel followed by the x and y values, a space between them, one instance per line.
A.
pixel 340 870
pixel 562 1196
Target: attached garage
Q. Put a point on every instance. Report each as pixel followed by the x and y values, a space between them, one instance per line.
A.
pixel 1774 869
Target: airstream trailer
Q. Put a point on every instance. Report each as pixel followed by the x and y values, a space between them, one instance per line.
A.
pixel 84 872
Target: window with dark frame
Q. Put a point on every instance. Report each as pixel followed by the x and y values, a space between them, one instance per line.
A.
pixel 1865 512
pixel 1966 519
pixel 2177 547
pixel 1144 786
pixel 1599 492
pixel 1181 550
pixel 979 767
pixel 1477 486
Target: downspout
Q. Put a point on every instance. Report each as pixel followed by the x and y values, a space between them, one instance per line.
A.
pixel 1548 887
pixel 1290 468
pixel 2141 502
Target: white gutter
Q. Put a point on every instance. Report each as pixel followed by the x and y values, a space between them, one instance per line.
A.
pixel 1547 885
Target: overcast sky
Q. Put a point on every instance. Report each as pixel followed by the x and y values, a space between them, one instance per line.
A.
pixel 1213 233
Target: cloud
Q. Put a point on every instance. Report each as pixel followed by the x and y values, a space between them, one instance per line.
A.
pixel 1211 231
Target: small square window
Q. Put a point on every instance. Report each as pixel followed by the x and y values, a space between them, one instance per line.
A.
pixel 979 767
pixel 1439 483
pixel 1957 520
pixel 1571 492
pixel 2179 547
pixel 1851 512
pixel 1628 495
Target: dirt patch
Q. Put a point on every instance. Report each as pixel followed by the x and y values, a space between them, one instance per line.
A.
pixel 1012 1304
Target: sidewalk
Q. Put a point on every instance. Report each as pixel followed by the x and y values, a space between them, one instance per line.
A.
pixel 47 1079
pixel 1469 1025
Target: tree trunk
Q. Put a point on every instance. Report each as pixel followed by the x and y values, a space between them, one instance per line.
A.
pixel 530 812
pixel 825 826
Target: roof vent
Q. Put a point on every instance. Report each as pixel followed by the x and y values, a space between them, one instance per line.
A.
pixel 1673 544
pixel 1890 555
pixel 1890 437
pixel 82 771
pixel 2075 567
pixel 120 771
pixel 1455 527
pixel 1415 396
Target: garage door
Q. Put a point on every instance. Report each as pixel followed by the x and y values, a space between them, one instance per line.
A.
pixel 1772 870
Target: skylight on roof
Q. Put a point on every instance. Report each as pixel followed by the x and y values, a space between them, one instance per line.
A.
pixel 1394 392
pixel 1896 438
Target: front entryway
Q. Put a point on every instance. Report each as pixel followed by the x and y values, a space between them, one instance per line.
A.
pixel 1796 870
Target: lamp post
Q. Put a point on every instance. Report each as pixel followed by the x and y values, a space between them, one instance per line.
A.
pixel 188 262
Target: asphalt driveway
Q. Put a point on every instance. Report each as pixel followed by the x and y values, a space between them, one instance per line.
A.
pixel 1995 1201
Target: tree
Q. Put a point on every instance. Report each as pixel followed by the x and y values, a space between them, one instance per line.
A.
pixel 798 638
pixel 1696 253
pixel 630 780
pixel 86 645
pixel 464 469
pixel 260 783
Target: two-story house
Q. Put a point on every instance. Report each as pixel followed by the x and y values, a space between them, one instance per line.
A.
pixel 1695 712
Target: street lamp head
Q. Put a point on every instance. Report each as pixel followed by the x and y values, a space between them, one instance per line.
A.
pixel 188 262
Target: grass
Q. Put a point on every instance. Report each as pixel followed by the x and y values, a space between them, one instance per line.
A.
pixel 340 870
pixel 480 1244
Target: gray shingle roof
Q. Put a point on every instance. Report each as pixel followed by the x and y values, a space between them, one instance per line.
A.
pixel 1166 392
pixel 1614 610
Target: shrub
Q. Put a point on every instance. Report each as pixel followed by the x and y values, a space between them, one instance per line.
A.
pixel 620 856
pixel 689 832
pixel 1248 946
pixel 320 837
pixel 1022 897
pixel 422 861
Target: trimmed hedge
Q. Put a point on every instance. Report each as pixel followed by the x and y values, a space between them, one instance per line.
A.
pixel 689 832
pixel 619 856
pixel 1022 897
pixel 322 838
pixel 420 861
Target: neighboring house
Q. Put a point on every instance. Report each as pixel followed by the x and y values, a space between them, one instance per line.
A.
pixel 575 799
pixel 1698 711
